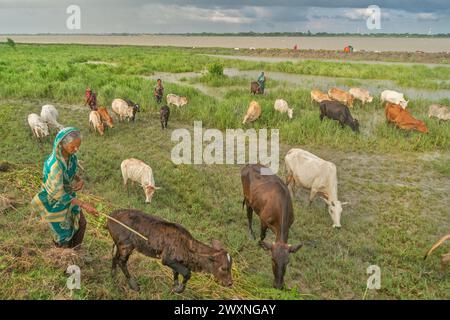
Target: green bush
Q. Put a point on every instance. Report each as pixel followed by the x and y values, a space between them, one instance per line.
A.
pixel 215 69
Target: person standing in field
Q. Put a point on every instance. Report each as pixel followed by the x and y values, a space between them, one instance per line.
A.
pixel 57 202
pixel 91 99
pixel 262 81
pixel 159 91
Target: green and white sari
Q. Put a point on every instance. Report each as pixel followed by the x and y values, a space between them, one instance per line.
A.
pixel 53 202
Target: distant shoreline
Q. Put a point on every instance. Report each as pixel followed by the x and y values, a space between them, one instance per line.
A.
pixel 360 43
pixel 246 34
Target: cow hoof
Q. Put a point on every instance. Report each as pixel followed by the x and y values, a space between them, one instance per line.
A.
pixel 179 289
pixel 133 285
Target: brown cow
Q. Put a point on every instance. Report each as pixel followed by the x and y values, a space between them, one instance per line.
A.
pixel 167 241
pixel 106 117
pixel 269 197
pixel 319 96
pixel 341 96
pixel 403 119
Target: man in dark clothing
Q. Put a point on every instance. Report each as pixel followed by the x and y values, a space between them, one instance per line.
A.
pixel 159 91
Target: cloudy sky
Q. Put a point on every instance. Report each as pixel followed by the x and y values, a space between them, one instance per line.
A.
pixel 180 16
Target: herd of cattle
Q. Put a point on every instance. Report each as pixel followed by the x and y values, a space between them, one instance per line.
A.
pixel 266 195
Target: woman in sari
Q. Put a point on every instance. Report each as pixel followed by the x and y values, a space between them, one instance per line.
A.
pixel 57 201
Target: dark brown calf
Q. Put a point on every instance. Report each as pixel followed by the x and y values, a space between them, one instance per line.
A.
pixel 255 88
pixel 169 242
pixel 269 197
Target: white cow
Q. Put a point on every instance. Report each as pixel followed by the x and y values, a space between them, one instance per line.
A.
pixel 38 126
pixel 176 100
pixel 96 122
pixel 361 94
pixel 136 170
pixel 306 170
pixel 121 108
pixel 394 97
pixel 439 111
pixel 282 106
pixel 50 115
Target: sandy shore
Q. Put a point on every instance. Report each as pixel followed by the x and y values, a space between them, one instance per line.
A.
pixel 315 43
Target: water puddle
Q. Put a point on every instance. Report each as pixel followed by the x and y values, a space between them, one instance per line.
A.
pixel 295 80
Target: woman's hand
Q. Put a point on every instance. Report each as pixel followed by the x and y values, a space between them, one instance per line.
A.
pixel 89 209
pixel 85 206
pixel 78 185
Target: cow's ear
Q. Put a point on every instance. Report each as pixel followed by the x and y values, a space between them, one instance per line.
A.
pixel 265 245
pixel 345 203
pixel 216 244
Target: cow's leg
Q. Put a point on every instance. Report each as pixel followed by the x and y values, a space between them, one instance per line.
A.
pixel 312 195
pixel 115 260
pixel 176 283
pixel 263 230
pixel 177 269
pixel 321 116
pixel 249 218
pixel 124 253
pixel 444 261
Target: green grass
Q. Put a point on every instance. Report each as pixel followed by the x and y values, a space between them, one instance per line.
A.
pixel 396 182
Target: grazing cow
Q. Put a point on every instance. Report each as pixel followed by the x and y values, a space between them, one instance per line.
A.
pixel 319 96
pixel 306 170
pixel 394 97
pixel 96 121
pixel 445 258
pixel 255 88
pixel 38 126
pixel 121 108
pixel 164 114
pixel 50 115
pixel 362 95
pixel 167 241
pixel 269 198
pixel 136 108
pixel 439 111
pixel 337 111
pixel 282 106
pixel 137 171
pixel 176 100
pixel 341 96
pixel 253 112
pixel 403 119
pixel 105 116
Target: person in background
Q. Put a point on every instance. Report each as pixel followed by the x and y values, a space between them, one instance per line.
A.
pixel 159 91
pixel 90 99
pixel 57 202
pixel 262 81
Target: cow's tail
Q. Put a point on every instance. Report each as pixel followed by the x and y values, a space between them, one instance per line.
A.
pixel 436 245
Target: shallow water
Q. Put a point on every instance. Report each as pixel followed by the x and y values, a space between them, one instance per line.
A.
pixel 324 83
pixel 285 59
pixel 304 81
